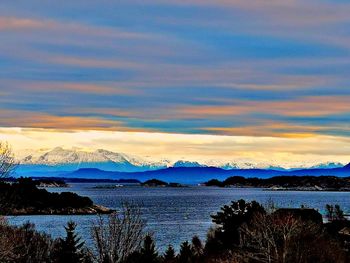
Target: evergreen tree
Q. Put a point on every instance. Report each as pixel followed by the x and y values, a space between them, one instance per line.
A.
pixel 185 255
pixel 71 249
pixel 230 219
pixel 197 249
pixel 148 253
pixel 169 255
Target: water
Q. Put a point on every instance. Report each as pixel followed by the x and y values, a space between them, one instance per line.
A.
pixel 174 215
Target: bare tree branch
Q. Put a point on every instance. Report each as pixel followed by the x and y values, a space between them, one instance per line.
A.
pixel 120 235
pixel 7 160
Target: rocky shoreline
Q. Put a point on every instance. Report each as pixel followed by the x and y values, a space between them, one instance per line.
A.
pixel 90 210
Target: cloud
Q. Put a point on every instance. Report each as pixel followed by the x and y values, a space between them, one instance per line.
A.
pixel 223 67
pixel 305 106
pixel 13 23
pixel 79 88
pixel 40 120
pixel 54 26
pixel 273 129
pixel 288 152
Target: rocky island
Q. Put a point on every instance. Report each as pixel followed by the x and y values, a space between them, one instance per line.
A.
pixel 159 183
pixel 46 183
pixel 23 197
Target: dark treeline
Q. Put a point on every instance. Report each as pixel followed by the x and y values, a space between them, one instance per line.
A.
pixel 324 182
pixel 243 232
pixel 159 183
pixel 24 197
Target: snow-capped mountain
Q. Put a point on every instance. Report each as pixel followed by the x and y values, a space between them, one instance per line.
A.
pixel 183 163
pixel 72 159
pixel 328 165
pixel 75 158
pixel 59 155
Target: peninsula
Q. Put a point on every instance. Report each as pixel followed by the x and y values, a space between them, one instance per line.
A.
pixel 23 197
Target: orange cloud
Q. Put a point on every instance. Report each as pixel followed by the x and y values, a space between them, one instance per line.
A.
pixel 79 87
pixel 307 106
pixel 14 23
pixel 269 129
pixel 94 62
pixel 13 118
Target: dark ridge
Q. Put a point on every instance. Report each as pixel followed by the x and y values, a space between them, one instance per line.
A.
pixel 78 180
pixel 330 183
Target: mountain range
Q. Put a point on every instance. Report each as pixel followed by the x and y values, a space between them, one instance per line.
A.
pixel 103 164
pixel 75 158
pixel 194 175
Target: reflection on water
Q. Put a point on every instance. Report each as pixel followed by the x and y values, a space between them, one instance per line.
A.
pixel 176 214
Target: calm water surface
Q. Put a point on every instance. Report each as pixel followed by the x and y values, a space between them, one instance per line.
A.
pixel 176 214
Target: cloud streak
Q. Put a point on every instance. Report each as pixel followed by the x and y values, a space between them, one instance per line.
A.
pixel 258 68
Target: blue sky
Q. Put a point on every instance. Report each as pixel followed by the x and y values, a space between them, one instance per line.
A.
pixel 276 69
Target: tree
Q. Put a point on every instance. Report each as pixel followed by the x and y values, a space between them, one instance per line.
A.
pixel 339 213
pixel 228 221
pixel 148 252
pixel 7 166
pixel 169 255
pixel 71 249
pixel 23 244
pixel 120 236
pixel 330 212
pixel 286 238
pixel 7 160
pixel 334 213
pixel 185 255
pixel 197 249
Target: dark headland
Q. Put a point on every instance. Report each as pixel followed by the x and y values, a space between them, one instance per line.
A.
pixel 23 197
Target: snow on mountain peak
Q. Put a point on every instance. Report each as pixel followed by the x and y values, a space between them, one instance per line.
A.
pixel 61 156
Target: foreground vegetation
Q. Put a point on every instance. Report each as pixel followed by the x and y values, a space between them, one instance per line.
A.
pixel 243 232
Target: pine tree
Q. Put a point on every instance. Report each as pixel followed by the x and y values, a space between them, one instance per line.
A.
pixel 185 255
pixel 148 252
pixel 197 248
pixel 169 255
pixel 70 249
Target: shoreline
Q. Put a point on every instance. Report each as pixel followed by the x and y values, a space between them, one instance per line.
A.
pixel 90 210
pixel 276 188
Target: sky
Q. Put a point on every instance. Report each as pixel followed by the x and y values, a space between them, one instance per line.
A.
pixel 264 80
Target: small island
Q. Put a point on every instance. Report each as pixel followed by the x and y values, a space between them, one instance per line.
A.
pixel 287 183
pixel 48 183
pixel 23 197
pixel 159 183
pixel 118 183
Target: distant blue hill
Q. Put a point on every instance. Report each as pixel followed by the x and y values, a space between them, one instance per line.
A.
pixel 191 175
pixel 30 170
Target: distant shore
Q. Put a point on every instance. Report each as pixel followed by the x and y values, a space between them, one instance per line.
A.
pixel 287 183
